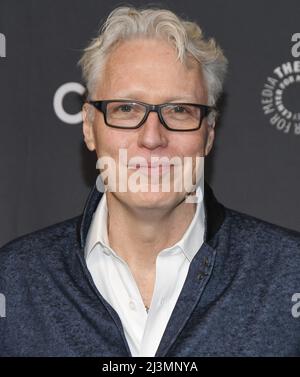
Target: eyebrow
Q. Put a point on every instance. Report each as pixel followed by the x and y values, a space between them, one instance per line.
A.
pixel 137 96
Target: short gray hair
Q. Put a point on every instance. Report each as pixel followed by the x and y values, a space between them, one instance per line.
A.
pixel 125 23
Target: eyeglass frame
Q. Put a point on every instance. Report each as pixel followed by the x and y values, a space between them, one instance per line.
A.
pixel 101 106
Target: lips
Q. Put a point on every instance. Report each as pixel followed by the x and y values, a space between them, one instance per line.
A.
pixel 151 168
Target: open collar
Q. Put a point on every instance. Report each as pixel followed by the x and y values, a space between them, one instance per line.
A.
pixel 214 214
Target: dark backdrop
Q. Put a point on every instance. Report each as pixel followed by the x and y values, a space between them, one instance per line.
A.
pixel 46 171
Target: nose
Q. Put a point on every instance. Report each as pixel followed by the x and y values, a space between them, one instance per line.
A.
pixel 152 134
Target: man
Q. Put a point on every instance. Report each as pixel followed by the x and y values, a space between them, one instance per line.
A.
pixel 155 266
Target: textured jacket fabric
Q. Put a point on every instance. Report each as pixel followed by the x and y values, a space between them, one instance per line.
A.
pixel 236 300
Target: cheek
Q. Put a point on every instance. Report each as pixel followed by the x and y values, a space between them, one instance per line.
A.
pixel 110 141
pixel 192 144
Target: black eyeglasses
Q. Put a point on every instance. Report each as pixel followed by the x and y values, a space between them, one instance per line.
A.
pixel 127 114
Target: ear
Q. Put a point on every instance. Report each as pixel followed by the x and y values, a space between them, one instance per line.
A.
pixel 210 137
pixel 87 128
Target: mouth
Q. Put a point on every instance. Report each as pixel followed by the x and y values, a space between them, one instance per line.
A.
pixel 151 168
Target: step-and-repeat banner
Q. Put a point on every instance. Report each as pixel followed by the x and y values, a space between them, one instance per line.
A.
pixel 46 170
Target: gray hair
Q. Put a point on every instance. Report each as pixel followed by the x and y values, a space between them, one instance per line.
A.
pixel 125 23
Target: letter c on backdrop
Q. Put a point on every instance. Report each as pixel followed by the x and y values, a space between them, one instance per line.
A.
pixel 58 99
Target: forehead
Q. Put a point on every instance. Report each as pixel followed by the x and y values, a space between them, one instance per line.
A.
pixel 150 67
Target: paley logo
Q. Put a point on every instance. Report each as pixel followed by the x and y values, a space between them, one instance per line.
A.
pixel 2 46
pixel 283 110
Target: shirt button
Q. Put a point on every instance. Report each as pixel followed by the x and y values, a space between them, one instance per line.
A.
pixel 132 305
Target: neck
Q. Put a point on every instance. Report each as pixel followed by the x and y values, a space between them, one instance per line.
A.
pixel 138 236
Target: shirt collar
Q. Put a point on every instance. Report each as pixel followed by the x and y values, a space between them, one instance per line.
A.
pixel 188 244
pixel 97 232
pixel 214 214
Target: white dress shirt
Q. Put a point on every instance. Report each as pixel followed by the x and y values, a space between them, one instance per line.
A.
pixel 115 282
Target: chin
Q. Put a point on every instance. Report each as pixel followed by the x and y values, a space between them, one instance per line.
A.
pixel 151 200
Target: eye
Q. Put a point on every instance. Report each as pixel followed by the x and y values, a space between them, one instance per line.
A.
pixel 179 109
pixel 126 108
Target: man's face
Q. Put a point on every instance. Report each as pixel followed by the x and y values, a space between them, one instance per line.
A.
pixel 147 70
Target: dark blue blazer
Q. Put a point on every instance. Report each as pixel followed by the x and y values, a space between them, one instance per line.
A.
pixel 239 298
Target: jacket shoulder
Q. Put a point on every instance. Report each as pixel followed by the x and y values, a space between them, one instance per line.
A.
pixel 46 240
pixel 261 238
pixel 260 228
